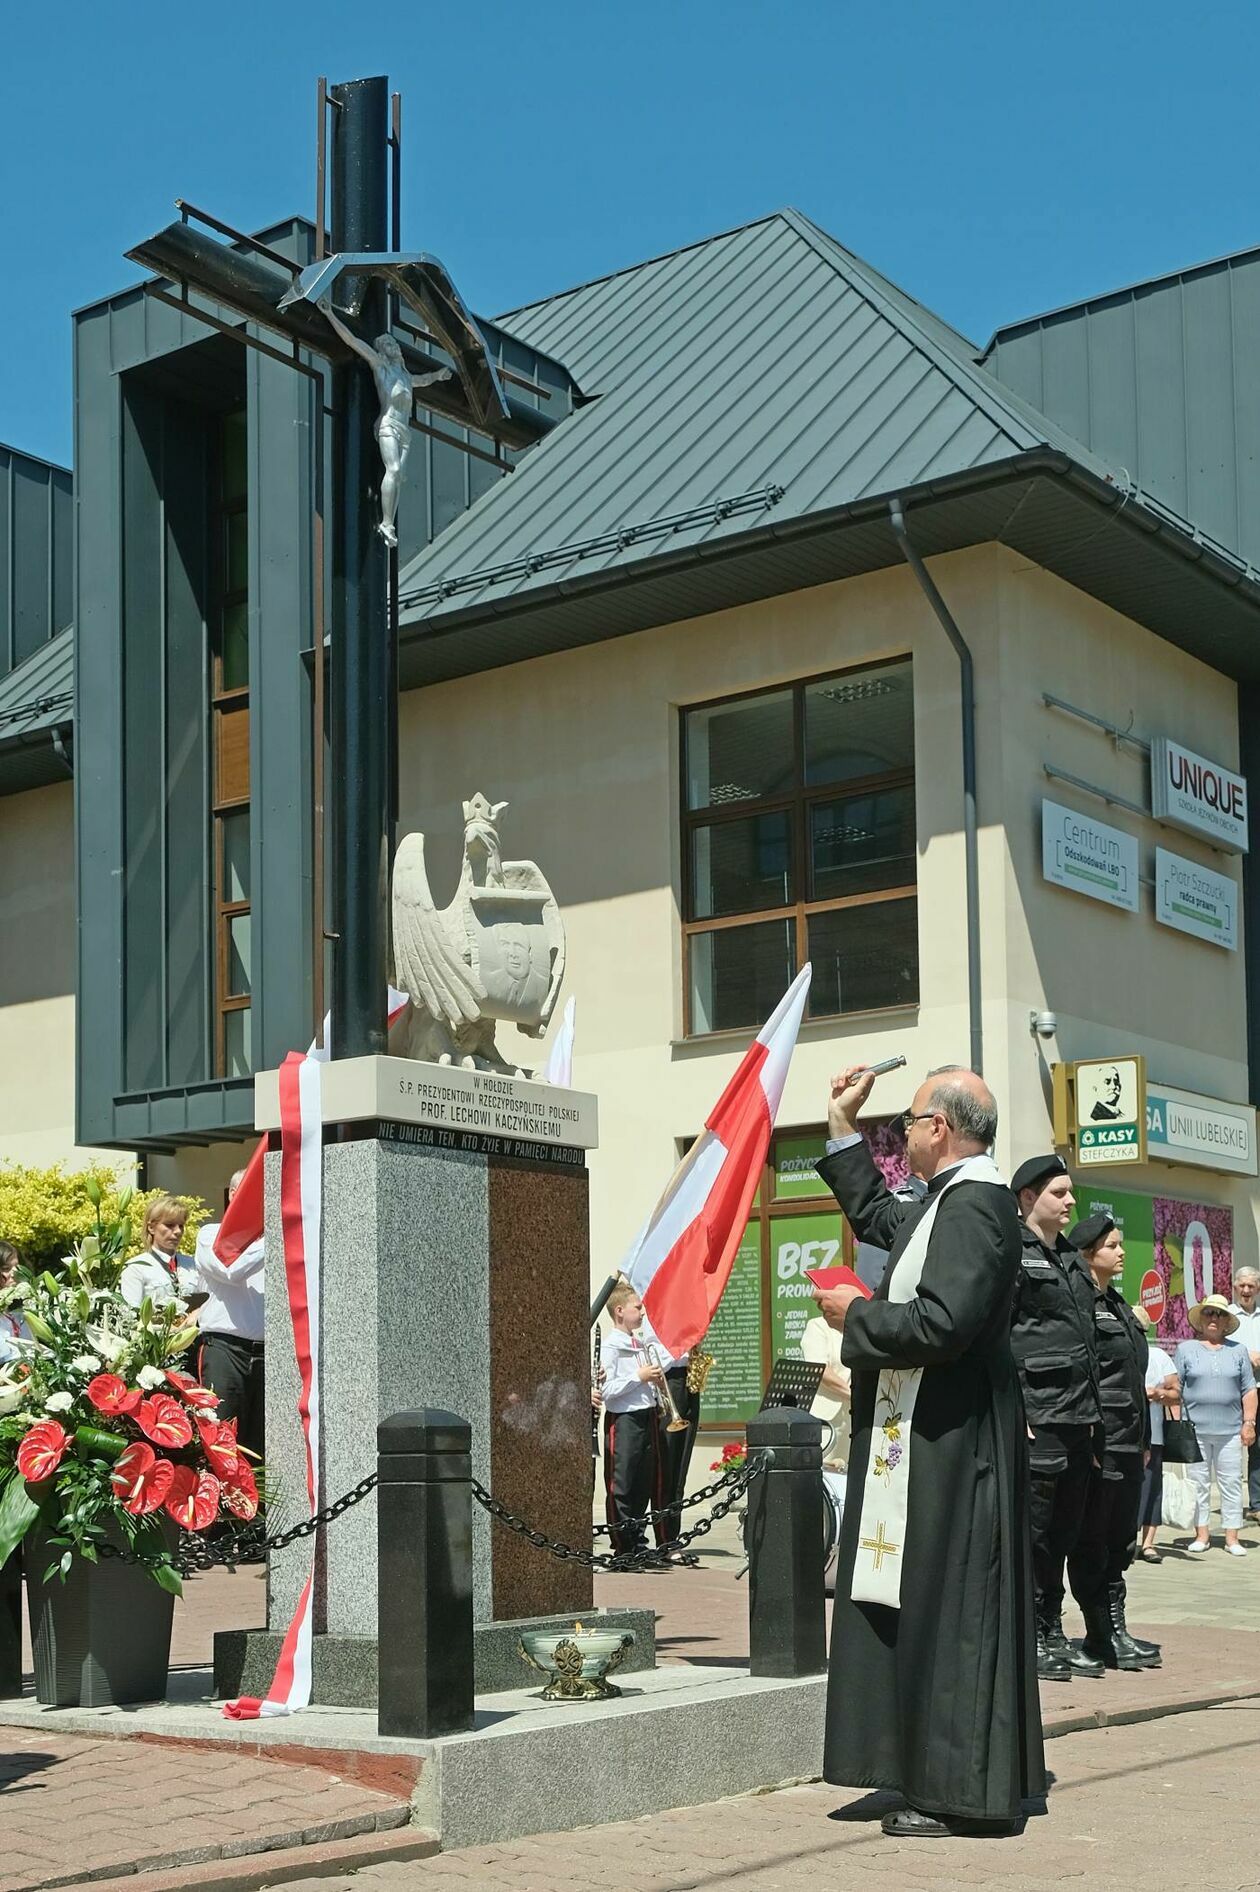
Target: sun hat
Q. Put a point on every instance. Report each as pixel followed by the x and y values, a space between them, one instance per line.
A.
pixel 1219 1305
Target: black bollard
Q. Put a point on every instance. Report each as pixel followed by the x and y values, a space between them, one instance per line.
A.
pixel 424 1608
pixel 786 1602
pixel 11 1627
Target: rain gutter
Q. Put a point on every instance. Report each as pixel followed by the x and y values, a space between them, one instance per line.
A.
pixel 967 682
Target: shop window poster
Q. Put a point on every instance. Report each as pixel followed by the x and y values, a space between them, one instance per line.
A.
pixel 1194 1257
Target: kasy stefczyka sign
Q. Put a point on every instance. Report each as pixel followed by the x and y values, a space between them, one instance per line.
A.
pixel 1100 1110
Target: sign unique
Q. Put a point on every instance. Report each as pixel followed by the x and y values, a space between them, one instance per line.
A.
pixel 1088 856
pixel 1195 900
pixel 1110 1114
pixel 1201 797
pixel 1203 1131
pixel 1151 1296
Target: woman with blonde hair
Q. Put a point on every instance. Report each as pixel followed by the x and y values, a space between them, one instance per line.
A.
pixel 161 1274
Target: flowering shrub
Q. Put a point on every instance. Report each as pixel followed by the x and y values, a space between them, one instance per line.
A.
pixel 101 1432
pixel 732 1459
pixel 47 1212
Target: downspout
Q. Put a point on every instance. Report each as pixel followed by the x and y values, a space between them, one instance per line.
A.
pixel 968 690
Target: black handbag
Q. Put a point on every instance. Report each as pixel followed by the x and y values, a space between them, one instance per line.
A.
pixel 1181 1447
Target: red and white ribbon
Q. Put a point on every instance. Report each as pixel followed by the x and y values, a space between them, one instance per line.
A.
pixel 301 1208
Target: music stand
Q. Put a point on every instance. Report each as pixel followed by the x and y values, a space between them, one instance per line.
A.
pixel 792 1383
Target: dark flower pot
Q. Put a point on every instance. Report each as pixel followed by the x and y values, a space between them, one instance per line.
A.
pixel 103 1637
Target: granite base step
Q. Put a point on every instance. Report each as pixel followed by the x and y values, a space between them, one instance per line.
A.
pixel 344 1667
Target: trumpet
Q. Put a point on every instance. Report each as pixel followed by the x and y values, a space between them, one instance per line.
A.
pixel 664 1398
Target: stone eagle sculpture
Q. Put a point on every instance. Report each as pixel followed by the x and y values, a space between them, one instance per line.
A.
pixel 497 952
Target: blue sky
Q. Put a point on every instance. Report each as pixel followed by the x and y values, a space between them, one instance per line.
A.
pixel 996 160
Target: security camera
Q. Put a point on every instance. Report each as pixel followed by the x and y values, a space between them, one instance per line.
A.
pixel 1045 1024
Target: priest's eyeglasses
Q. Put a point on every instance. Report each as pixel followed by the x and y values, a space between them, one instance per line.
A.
pixel 910 1116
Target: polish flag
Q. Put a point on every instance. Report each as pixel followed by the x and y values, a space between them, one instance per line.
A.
pixel 681 1259
pixel 242 1223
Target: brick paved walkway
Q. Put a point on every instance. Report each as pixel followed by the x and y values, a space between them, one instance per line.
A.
pixel 74 1809
pixel 1167 1803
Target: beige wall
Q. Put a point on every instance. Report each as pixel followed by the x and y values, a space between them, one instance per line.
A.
pixel 584 747
pixel 37 973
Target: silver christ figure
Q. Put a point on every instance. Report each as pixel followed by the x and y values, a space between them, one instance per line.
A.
pixel 395 386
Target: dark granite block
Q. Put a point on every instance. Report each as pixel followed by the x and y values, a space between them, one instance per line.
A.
pixel 540 1372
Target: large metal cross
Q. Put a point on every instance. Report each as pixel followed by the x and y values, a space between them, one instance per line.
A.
pixel 258 284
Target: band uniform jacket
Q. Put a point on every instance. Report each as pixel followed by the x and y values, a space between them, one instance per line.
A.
pixel 938 1699
pixel 1052 1335
pixel 1122 1354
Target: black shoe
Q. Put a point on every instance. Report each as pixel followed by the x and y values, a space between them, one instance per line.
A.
pixel 1101 1642
pixel 1051 1666
pixel 1072 1653
pixel 1082 1663
pixel 1146 1654
pixel 909 1823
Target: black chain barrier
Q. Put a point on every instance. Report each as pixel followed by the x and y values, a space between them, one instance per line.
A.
pixel 648 1558
pixel 198 1553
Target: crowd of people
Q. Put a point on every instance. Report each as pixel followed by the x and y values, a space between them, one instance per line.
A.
pixel 1001 1356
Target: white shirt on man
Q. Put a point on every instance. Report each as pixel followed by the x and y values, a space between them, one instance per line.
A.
pixel 234 1294
pixel 157 1277
pixel 1248 1328
pixel 1158 1367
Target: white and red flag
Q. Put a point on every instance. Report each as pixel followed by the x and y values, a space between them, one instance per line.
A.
pixel 682 1256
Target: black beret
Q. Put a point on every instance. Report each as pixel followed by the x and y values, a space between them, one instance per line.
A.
pixel 1092 1230
pixel 1036 1170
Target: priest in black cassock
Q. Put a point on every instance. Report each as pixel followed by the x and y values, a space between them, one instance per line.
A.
pixel 933 1686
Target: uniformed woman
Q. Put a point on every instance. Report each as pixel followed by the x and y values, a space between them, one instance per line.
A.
pixel 1108 1536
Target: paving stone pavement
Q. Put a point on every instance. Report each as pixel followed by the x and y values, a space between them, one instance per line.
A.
pixel 74 1809
pixel 1166 1803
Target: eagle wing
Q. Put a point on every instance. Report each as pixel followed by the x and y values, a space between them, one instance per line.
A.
pixel 426 962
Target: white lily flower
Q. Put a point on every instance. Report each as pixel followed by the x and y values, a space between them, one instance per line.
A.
pixel 109 1345
pixel 86 1363
pixel 12 1393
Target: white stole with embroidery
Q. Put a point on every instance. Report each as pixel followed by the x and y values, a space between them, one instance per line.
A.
pixel 885 1493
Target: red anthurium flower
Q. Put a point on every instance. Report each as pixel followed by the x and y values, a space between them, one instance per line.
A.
pixel 240 1492
pixel 187 1388
pixel 193 1499
pixel 219 1439
pixel 42 1450
pixel 164 1420
pixel 110 1394
pixel 141 1479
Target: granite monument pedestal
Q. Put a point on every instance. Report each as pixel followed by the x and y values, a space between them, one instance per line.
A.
pixel 455 1274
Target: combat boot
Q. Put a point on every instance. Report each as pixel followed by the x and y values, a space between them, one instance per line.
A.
pixel 1051 1665
pixel 1072 1652
pixel 1100 1640
pixel 1147 1653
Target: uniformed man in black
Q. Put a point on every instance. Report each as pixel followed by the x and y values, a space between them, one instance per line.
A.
pixel 1108 1536
pixel 1052 1338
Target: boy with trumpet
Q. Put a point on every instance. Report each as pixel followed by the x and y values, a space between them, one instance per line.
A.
pixel 634 1391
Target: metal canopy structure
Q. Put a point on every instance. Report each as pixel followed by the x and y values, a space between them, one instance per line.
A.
pixel 423 283
pixel 248 278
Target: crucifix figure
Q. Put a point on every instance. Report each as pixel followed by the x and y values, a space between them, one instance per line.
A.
pixel 395 385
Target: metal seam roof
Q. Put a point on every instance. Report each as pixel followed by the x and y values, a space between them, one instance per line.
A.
pixel 39 694
pixel 768 356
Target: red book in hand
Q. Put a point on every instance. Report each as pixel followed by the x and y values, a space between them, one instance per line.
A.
pixel 824 1278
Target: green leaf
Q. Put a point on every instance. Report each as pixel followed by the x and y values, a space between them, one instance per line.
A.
pixel 167 1578
pixel 67 1558
pixel 18 1511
